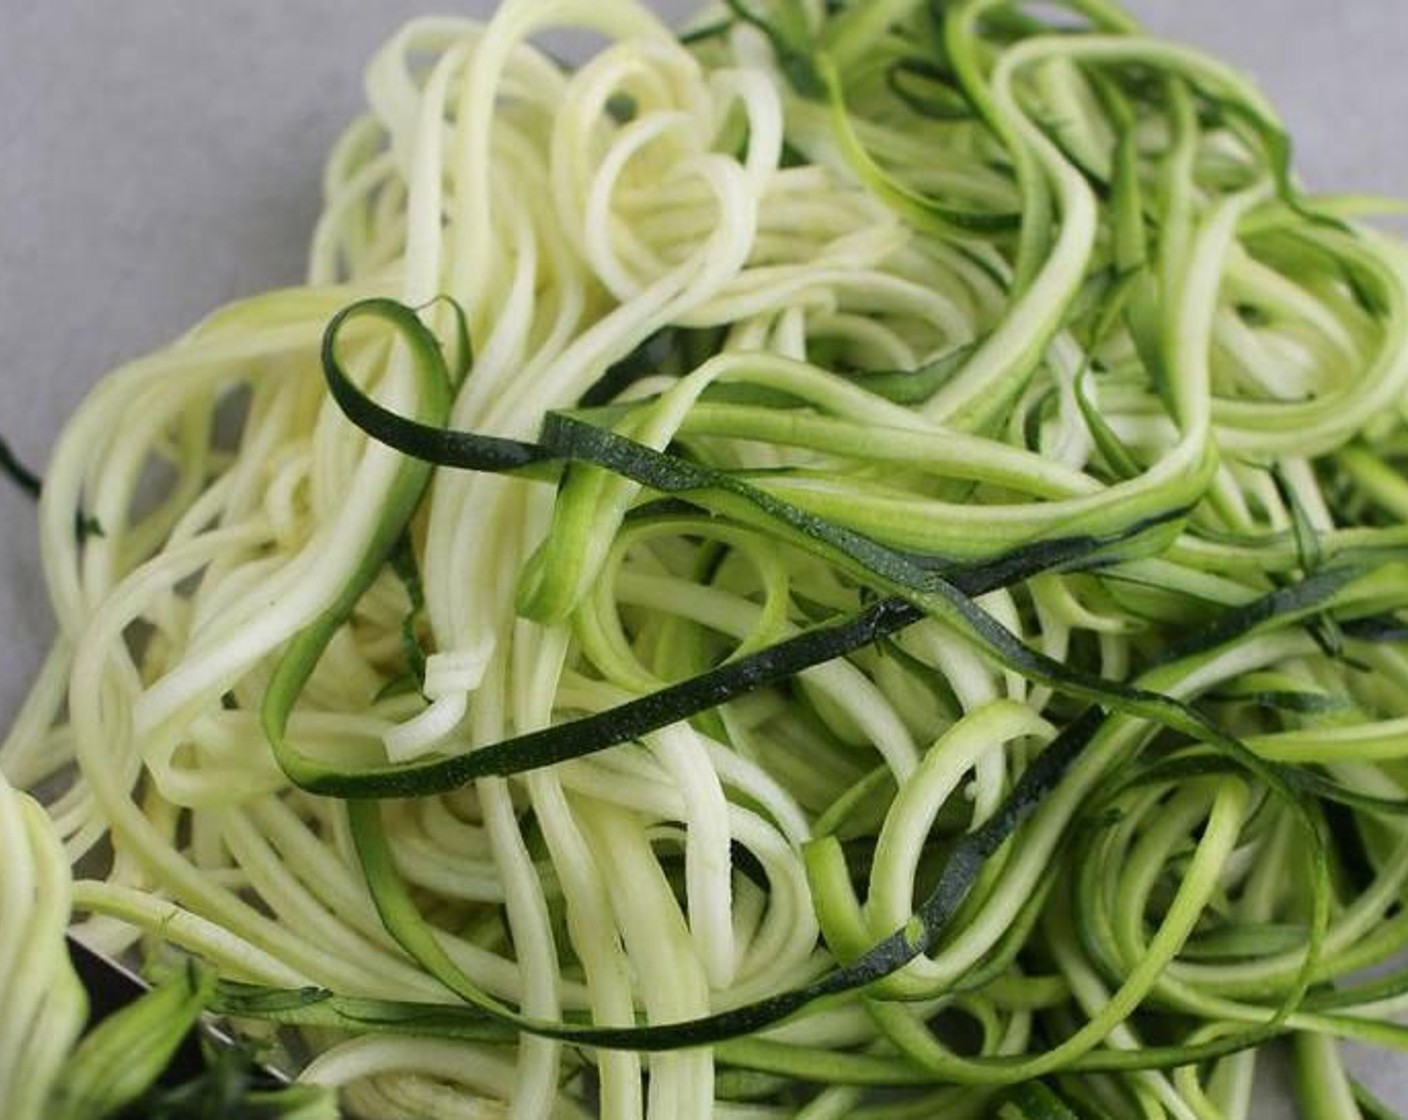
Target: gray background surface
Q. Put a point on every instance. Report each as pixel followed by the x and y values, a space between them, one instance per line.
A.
pixel 158 158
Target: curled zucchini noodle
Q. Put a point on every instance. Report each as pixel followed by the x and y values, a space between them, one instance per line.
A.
pixel 45 1004
pixel 1019 338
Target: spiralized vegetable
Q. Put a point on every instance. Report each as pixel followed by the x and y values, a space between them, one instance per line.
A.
pixel 920 631
pixel 45 1005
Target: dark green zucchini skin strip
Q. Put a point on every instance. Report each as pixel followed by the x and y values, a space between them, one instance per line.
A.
pixel 11 468
pixel 412 476
pixel 921 933
pixel 626 722
pixel 318 1007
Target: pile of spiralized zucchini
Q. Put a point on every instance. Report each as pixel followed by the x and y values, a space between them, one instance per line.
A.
pixel 847 564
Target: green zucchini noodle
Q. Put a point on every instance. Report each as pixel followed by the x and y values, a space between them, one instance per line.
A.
pixel 849 563
pixel 45 1005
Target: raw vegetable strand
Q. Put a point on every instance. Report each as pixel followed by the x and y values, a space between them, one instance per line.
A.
pixel 45 1004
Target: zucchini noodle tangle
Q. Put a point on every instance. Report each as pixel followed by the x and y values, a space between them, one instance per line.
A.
pixel 853 565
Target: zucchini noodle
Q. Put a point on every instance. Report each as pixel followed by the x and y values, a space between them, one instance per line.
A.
pixel 45 1004
pixel 850 563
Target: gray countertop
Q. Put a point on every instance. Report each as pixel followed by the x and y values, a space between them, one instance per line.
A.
pixel 158 158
